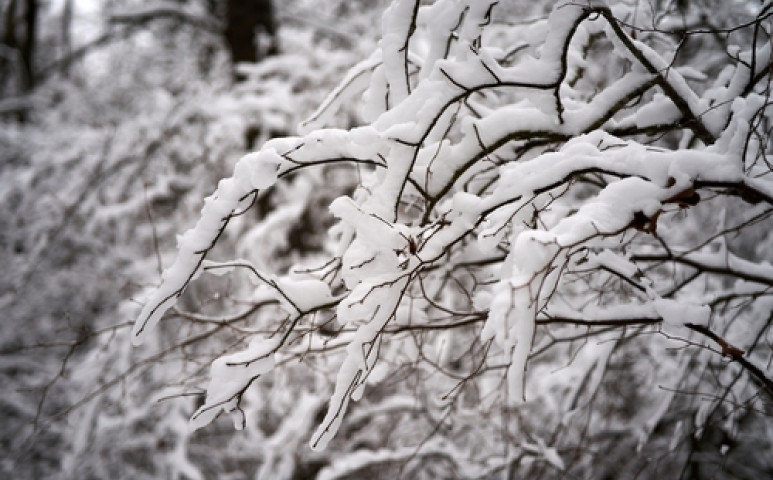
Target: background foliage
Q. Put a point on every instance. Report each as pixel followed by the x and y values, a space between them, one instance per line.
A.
pixel 609 164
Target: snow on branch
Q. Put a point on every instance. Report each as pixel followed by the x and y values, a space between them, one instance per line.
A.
pixel 503 195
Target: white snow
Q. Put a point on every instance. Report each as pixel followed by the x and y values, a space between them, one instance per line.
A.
pixel 230 375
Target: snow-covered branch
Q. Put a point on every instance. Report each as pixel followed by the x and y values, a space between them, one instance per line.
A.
pixel 510 209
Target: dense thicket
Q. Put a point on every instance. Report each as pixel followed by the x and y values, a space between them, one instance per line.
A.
pixel 509 244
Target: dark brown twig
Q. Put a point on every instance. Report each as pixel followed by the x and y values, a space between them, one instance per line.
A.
pixel 735 354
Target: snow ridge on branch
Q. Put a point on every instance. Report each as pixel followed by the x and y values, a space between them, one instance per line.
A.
pixel 508 167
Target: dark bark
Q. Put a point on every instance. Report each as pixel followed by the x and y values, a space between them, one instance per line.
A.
pixel 246 21
pixel 66 36
pixel 19 35
pixel 29 43
pixel 9 59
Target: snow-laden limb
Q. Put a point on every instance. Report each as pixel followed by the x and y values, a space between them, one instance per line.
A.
pixel 538 258
pixel 673 84
pixel 382 298
pixel 355 81
pixel 534 210
pixel 623 204
pixel 252 172
pixel 398 26
pixel 230 375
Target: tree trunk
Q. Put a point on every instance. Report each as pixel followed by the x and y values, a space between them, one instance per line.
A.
pixel 66 33
pixel 250 30
pixel 28 44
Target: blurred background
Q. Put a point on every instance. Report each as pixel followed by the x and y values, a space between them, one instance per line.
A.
pixel 117 118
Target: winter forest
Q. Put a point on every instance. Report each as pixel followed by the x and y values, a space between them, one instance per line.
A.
pixel 386 239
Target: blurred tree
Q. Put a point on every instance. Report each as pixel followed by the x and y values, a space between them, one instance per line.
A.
pixel 18 44
pixel 93 186
pixel 250 30
pixel 66 37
